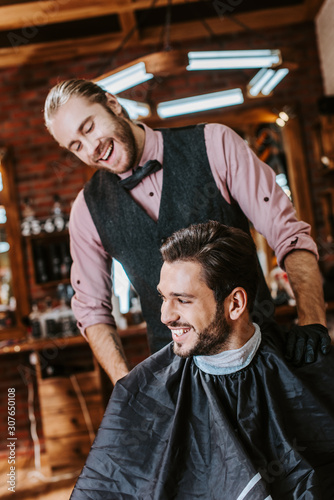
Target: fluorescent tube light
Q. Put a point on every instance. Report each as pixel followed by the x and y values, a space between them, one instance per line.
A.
pixel 260 79
pixel 265 81
pixel 200 103
pixel 135 109
pixel 212 54
pixel 278 77
pixel 233 59
pixel 125 79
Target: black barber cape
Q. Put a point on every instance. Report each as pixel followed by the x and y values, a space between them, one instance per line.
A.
pixel 171 431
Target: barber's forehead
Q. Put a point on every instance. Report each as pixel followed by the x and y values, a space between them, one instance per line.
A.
pixel 68 118
pixel 80 100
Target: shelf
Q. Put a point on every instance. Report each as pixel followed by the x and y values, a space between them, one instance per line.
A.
pixel 51 258
pixel 54 283
pixel 44 235
pixel 24 344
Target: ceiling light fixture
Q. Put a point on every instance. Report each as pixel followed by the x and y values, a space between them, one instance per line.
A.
pixel 265 81
pixel 233 59
pixel 125 79
pixel 260 79
pixel 200 103
pixel 284 116
pixel 163 64
pixel 280 122
pixel 135 109
pixel 275 80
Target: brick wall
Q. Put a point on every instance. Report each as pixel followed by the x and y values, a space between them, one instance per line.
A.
pixel 43 170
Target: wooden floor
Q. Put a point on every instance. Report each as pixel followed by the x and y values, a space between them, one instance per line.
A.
pixel 41 485
pixel 51 492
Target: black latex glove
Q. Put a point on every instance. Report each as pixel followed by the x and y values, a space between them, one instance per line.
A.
pixel 303 343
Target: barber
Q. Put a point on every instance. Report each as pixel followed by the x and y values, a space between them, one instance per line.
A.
pixel 189 175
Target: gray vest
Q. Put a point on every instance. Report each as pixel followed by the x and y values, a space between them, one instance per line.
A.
pixel 189 196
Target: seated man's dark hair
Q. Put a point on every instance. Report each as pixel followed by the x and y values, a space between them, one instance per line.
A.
pixel 227 255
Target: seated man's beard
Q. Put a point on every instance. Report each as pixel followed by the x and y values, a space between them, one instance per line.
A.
pixel 212 339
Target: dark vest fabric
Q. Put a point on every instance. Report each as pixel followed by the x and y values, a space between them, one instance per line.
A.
pixel 189 196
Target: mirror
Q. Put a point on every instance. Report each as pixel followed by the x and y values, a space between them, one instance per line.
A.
pixel 14 303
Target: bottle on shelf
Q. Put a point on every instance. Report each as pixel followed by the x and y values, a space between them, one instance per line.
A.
pixel 29 225
pixel 48 320
pixel 41 272
pixel 35 323
pixel 49 226
pixel 66 319
pixel 135 310
pixel 65 260
pixel 58 218
pixel 55 261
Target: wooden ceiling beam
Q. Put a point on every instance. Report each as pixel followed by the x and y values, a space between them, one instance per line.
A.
pixel 162 64
pixel 50 11
pixel 231 117
pixel 259 20
pixel 313 7
pixel 55 51
pixel 180 32
pixel 128 23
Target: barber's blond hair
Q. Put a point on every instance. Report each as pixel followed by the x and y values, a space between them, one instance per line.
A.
pixel 61 93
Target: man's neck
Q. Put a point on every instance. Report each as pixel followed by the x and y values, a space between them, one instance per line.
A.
pixel 242 331
pixel 231 360
pixel 139 135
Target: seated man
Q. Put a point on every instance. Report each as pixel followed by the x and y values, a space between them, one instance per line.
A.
pixel 218 413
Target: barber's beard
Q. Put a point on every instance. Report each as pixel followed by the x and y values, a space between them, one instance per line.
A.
pixel 124 135
pixel 212 340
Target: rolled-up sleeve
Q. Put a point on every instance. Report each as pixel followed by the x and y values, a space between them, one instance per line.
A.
pixel 91 270
pixel 242 176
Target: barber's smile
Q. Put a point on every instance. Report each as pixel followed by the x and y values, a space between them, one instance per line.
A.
pixel 107 152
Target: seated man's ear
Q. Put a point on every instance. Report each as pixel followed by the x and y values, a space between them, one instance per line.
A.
pixel 113 104
pixel 236 303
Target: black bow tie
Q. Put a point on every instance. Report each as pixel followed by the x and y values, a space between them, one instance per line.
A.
pixel 150 167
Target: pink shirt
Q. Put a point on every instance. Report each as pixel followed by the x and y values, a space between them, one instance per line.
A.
pixel 239 175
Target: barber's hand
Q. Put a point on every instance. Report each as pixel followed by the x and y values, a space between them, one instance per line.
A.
pixel 303 342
